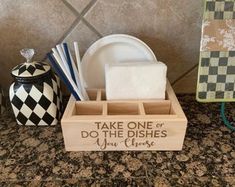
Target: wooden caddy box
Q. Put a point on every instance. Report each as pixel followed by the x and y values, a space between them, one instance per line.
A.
pixel 101 125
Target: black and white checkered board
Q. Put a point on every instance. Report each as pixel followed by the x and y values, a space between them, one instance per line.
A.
pixel 216 79
pixel 219 9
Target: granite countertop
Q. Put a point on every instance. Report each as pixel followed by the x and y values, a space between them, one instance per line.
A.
pixel 35 156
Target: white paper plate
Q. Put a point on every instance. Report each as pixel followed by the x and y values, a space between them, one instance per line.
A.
pixel 117 48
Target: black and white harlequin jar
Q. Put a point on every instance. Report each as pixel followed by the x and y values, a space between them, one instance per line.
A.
pixel 35 96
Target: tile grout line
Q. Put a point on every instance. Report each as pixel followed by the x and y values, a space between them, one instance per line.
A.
pixel 85 10
pixel 194 66
pixel 184 74
pixel 72 26
pixel 79 17
pixel 70 7
pixel 182 18
pixel 70 29
pixel 82 14
pixel 75 22
pixel 91 27
pixel 88 7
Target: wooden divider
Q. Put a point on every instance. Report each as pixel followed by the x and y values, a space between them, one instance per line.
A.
pixel 98 105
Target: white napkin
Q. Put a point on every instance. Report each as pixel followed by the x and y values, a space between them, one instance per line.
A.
pixel 135 81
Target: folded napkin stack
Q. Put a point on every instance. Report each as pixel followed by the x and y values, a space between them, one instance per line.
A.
pixel 142 80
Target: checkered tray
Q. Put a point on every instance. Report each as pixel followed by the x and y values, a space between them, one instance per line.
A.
pixel 219 9
pixel 216 73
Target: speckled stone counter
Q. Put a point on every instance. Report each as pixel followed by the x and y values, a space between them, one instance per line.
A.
pixel 35 156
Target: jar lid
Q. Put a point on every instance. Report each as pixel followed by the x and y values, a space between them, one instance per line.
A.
pixel 28 68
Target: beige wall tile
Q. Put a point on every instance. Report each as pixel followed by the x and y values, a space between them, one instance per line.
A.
pixel 79 5
pixel 29 23
pixel 188 83
pixel 170 28
pixel 187 9
pixel 83 35
pixel 123 16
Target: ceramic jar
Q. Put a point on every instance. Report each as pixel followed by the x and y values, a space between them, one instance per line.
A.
pixel 35 96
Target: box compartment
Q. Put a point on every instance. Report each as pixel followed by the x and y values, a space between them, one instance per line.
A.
pixel 157 108
pixel 123 109
pixel 101 125
pixel 88 109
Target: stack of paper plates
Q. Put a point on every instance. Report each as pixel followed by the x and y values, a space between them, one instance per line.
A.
pixel 117 48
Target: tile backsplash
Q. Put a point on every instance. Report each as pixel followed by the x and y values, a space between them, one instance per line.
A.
pixel 171 28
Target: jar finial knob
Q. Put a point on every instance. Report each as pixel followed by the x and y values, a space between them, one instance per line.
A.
pixel 28 54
